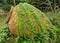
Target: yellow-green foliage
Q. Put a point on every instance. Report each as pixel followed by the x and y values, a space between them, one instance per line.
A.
pixel 30 18
pixel 31 22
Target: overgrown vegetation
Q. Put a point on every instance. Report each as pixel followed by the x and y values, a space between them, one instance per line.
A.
pixel 53 14
pixel 55 19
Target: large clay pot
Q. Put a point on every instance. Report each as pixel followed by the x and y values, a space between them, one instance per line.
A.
pixel 27 17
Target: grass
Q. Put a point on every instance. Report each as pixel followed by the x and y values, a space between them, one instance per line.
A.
pixel 55 19
pixel 2 20
pixel 53 16
pixel 5 34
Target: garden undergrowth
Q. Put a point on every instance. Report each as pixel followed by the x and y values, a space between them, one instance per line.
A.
pixel 54 18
